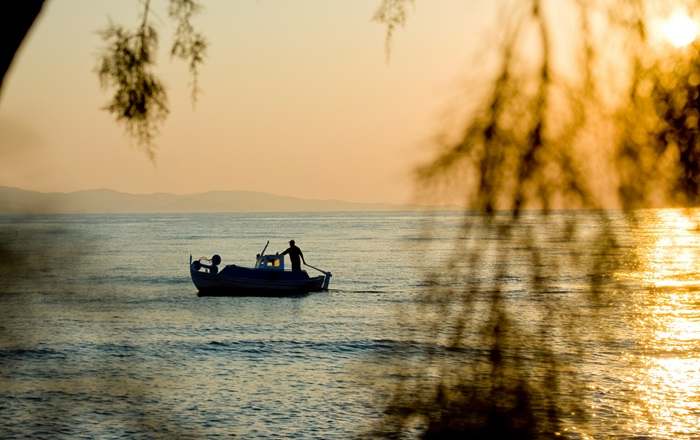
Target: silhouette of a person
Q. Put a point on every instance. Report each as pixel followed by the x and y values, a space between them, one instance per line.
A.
pixel 295 255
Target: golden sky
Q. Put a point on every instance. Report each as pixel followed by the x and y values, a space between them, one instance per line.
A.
pixel 298 99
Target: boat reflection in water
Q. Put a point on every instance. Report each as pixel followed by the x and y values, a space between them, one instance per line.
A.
pixel 267 278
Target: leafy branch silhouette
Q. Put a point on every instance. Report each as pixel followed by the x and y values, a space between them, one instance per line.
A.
pixel 126 66
pixel 518 159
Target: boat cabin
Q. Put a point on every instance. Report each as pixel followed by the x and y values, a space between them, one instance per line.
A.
pixel 270 262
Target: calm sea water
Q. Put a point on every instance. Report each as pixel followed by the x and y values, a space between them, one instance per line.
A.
pixel 102 334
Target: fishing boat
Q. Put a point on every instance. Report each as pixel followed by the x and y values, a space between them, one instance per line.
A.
pixel 267 278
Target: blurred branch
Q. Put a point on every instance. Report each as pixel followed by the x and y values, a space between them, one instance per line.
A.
pixel 188 45
pixel 521 154
pixel 392 14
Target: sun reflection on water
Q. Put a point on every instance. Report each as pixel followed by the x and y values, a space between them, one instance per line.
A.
pixel 671 257
pixel 668 327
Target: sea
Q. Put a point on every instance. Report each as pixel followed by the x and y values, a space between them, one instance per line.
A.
pixel 102 334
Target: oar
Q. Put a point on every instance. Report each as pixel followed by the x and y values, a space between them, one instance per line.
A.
pixel 322 271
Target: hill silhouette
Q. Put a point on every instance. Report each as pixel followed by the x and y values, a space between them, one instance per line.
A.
pixel 20 201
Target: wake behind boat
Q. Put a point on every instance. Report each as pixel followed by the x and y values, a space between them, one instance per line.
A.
pixel 267 278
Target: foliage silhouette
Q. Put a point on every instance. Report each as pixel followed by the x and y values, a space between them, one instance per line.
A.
pixel 519 158
pixel 126 65
pixel 189 45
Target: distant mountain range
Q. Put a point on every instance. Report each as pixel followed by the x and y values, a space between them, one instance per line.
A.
pixel 19 201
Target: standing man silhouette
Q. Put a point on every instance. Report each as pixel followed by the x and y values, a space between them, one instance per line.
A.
pixel 294 255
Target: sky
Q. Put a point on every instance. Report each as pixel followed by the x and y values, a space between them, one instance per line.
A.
pixel 297 99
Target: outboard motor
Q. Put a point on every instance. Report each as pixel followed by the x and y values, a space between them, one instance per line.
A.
pixel 327 280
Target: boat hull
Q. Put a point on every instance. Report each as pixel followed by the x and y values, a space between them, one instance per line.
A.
pixel 241 281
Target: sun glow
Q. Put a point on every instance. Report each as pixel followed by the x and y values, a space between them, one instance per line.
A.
pixel 679 29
